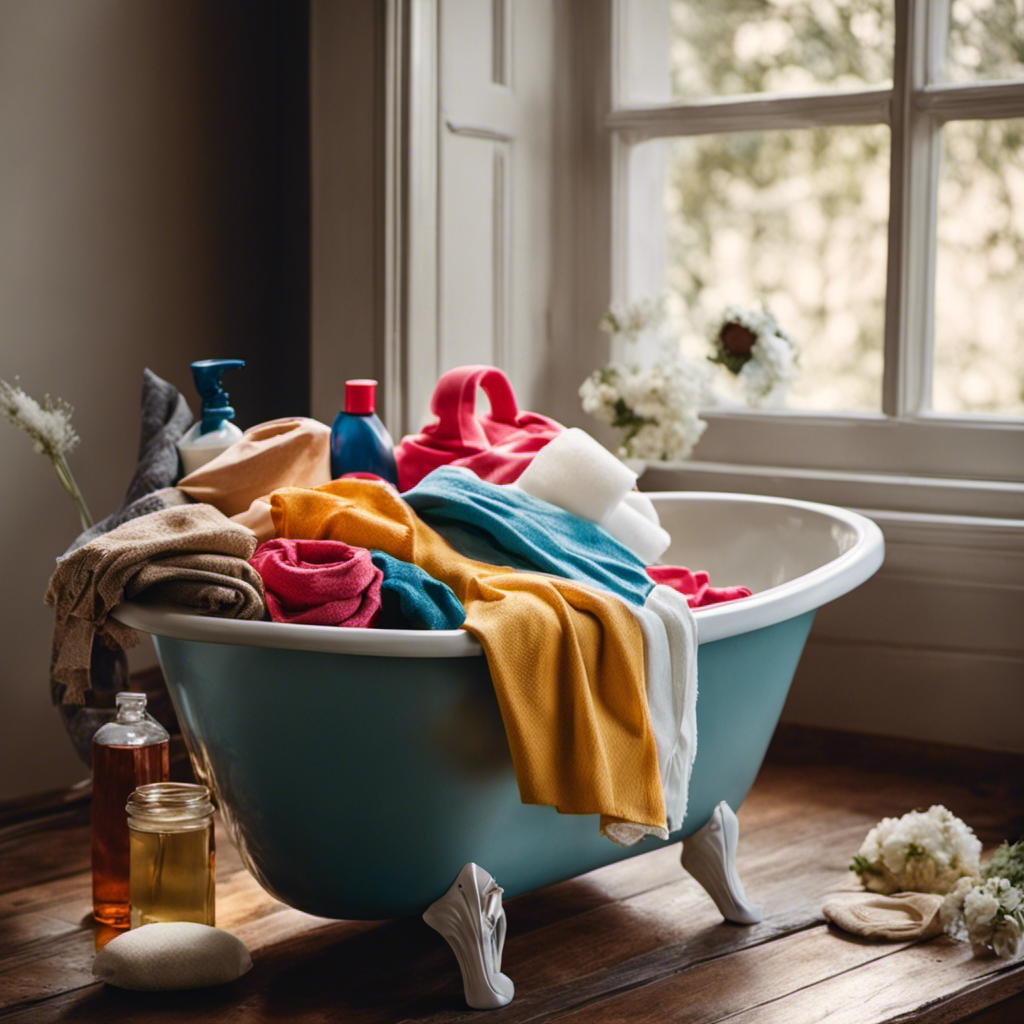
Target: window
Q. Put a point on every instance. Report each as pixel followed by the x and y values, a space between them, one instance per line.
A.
pixel 857 165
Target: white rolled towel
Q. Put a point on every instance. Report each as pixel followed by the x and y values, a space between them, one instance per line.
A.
pixel 578 474
pixel 647 540
pixel 639 501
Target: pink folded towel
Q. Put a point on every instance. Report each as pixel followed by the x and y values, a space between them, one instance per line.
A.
pixel 695 585
pixel 318 582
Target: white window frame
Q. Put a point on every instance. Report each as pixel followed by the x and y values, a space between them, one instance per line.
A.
pixel 917 459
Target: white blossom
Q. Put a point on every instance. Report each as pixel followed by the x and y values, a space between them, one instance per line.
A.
pixel 765 373
pixel 1006 939
pixel 988 914
pixel 924 851
pixel 630 320
pixel 656 408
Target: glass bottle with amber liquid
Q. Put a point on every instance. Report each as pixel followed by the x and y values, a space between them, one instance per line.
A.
pixel 128 752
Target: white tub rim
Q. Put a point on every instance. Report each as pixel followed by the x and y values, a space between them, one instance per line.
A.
pixel 776 604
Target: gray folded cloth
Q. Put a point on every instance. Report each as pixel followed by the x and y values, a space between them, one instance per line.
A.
pixel 190 555
pixel 165 419
pixel 902 916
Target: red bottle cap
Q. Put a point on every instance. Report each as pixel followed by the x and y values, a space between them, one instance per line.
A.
pixel 359 396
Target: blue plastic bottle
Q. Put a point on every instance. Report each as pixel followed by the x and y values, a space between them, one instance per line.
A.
pixel 360 443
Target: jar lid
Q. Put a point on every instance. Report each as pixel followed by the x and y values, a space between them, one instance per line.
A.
pixel 170 803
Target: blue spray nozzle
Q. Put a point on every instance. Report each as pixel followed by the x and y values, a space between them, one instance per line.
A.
pixel 216 408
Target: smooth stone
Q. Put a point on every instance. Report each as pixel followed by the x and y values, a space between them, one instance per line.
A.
pixel 172 955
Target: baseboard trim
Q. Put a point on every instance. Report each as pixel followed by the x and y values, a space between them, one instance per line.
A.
pixel 968 699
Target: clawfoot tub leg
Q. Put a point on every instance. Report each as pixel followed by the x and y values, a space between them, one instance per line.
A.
pixel 710 856
pixel 471 919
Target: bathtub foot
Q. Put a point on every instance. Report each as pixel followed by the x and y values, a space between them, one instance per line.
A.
pixel 710 856
pixel 471 919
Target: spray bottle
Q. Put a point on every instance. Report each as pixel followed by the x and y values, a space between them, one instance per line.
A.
pixel 215 431
pixel 360 443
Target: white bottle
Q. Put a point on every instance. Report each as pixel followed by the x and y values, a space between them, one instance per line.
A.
pixel 214 432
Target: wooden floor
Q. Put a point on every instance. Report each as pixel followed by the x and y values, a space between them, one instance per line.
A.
pixel 637 941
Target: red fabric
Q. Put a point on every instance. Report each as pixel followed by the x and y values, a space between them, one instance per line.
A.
pixel 497 446
pixel 695 585
pixel 318 582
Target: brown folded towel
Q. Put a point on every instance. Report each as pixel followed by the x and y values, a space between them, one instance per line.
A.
pixel 189 555
pixel 904 915
pixel 290 452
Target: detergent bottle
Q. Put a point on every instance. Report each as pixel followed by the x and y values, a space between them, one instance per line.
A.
pixel 214 432
pixel 360 443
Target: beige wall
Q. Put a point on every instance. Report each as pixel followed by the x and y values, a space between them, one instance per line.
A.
pixel 115 201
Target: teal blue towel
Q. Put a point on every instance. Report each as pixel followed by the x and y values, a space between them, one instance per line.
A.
pixel 503 525
pixel 412 599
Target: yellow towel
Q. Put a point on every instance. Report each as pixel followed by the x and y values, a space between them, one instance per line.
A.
pixel 567 661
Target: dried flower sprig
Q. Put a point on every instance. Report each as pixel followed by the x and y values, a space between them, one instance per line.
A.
pixel 49 426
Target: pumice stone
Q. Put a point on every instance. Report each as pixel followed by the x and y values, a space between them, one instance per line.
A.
pixel 172 955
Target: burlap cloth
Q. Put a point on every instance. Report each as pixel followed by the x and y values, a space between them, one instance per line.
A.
pixel 905 915
pixel 189 555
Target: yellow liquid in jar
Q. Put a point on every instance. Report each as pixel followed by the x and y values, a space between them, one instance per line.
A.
pixel 171 876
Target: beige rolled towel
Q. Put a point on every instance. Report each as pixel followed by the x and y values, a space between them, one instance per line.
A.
pixel 190 555
pixel 896 918
pixel 258 519
pixel 290 452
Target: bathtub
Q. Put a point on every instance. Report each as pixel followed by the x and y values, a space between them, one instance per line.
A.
pixel 359 770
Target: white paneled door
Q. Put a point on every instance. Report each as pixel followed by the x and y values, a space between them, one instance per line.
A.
pixel 481 187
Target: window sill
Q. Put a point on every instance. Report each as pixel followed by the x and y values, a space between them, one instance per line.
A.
pixel 925 498
pixel 930 464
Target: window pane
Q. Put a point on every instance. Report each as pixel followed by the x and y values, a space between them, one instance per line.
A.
pixel 684 49
pixel 986 40
pixel 979 270
pixel 795 220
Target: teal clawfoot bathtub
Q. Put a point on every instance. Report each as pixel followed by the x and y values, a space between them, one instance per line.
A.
pixel 363 772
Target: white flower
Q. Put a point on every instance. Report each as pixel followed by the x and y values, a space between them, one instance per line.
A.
pixel 655 407
pixel 987 914
pixel 1006 939
pixel 951 912
pixel 632 319
pixel 752 345
pixel 924 851
pixel 980 909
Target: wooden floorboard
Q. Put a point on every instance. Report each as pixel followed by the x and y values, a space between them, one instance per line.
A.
pixel 636 941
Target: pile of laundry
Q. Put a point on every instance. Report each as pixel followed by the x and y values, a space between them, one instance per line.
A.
pixel 530 536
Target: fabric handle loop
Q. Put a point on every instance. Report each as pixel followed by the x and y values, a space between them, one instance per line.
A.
pixel 454 404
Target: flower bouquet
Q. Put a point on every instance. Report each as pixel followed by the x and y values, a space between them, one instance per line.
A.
pixel 924 851
pixel 654 407
pixel 988 914
pixel 752 346
pixel 933 851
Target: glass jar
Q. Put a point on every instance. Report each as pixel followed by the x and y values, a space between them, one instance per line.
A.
pixel 170 827
pixel 127 752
